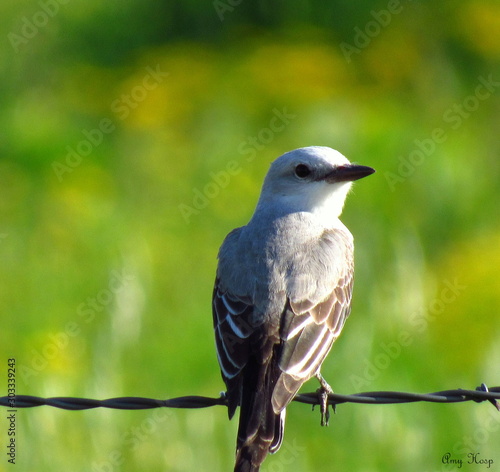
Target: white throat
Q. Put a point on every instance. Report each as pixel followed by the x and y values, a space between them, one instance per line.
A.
pixel 322 200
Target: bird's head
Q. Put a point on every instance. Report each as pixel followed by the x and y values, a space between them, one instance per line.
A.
pixel 313 179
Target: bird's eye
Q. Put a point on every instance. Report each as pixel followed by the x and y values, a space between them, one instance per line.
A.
pixel 302 171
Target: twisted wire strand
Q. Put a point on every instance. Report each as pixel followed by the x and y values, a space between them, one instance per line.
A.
pixel 481 394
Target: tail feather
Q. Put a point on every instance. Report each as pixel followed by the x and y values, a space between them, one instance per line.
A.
pixel 279 431
pixel 260 430
pixel 267 440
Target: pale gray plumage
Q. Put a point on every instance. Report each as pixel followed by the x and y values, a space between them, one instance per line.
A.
pixel 283 292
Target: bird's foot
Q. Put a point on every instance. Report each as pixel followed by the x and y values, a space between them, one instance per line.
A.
pixel 323 393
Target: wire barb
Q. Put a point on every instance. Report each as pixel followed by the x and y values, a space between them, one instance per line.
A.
pixel 481 394
pixel 484 388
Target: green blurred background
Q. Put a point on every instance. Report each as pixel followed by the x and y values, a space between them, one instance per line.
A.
pixel 134 135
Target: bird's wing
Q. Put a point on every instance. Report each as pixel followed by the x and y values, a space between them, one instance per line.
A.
pixel 233 327
pixel 308 330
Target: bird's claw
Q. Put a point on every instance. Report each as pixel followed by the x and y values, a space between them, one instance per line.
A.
pixel 323 393
pixel 323 405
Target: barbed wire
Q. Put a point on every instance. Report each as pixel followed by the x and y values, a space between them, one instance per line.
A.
pixel 480 394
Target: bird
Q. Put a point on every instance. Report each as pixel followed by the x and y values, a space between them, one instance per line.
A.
pixel 282 293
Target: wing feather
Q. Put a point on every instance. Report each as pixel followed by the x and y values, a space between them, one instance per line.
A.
pixel 232 329
pixel 308 331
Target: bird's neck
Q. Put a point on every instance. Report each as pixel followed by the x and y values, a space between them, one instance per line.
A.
pixel 317 220
pixel 324 214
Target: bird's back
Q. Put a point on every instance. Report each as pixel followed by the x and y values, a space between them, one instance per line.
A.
pixel 271 277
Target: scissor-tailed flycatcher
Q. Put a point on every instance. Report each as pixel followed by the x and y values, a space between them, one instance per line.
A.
pixel 283 292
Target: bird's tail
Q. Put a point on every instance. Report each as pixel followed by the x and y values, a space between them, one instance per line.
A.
pixel 260 430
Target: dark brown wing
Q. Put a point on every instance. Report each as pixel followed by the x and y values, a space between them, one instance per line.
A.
pixel 234 338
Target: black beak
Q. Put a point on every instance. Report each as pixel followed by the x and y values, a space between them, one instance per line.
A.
pixel 348 173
